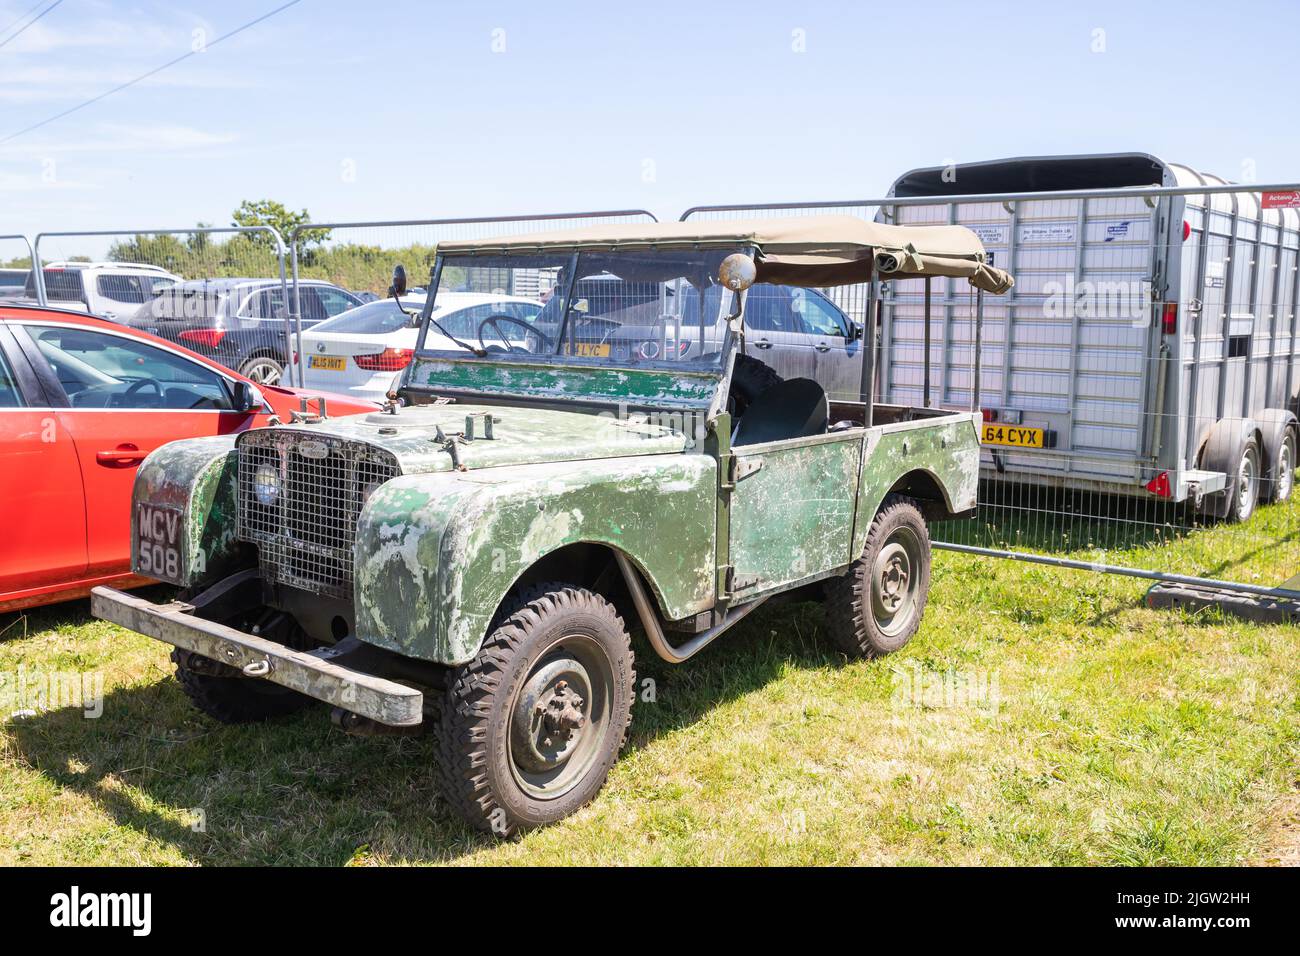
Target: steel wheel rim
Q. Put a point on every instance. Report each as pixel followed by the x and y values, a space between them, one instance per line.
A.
pixel 895 582
pixel 558 717
pixel 1246 472
pixel 263 372
pixel 1285 466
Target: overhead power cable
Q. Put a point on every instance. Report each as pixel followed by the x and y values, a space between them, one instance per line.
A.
pixel 144 76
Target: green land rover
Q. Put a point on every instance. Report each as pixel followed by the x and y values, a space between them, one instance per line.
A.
pixel 470 560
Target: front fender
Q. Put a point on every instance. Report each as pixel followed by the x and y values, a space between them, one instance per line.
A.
pixel 437 553
pixel 183 513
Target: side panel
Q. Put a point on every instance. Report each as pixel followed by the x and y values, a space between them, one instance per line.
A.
pixel 183 512
pixel 436 554
pixel 793 517
pixel 947 450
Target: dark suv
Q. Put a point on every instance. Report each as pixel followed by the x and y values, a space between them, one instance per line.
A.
pixel 239 322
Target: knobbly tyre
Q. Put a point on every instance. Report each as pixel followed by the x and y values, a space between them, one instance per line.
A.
pixel 466 561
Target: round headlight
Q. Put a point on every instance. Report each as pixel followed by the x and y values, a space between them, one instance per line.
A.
pixel 266 483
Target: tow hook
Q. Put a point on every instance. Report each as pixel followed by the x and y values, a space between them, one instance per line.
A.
pixel 257 668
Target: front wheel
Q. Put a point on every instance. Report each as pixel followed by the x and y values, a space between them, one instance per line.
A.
pixel 531 726
pixel 876 606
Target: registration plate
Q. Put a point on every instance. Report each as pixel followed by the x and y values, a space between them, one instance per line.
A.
pixel 328 363
pixel 158 542
pixel 1015 436
pixel 591 349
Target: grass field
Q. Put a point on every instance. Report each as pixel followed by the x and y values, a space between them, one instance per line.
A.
pixel 1040 717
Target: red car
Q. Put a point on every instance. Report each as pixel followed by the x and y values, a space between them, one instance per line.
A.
pixel 82 402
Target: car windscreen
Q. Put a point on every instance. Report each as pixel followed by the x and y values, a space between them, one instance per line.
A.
pixel 373 318
pixel 616 307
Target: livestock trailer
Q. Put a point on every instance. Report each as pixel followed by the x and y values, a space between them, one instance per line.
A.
pixel 1148 347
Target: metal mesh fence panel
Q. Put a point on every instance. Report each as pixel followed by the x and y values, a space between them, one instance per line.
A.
pixel 1137 385
pixel 222 292
pixel 360 256
pixel 15 268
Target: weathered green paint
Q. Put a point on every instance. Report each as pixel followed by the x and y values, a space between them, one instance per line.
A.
pixel 436 554
pixel 601 384
pixel 195 479
pixel 793 517
pixel 947 449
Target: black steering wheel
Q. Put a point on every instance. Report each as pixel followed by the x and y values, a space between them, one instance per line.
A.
pixel 139 384
pixel 494 321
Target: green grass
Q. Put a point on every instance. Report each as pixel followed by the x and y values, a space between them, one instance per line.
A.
pixel 1119 735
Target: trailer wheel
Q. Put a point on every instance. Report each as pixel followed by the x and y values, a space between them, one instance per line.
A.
pixel 531 726
pixel 1243 485
pixel 1282 473
pixel 876 606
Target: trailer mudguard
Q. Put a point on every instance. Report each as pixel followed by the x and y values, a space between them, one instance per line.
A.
pixel 1221 451
pixel 437 553
pixel 183 512
pixel 935 459
pixel 1274 425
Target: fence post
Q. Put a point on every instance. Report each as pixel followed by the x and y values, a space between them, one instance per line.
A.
pixel 38 273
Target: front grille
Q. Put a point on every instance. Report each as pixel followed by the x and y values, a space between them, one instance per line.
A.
pixel 305 536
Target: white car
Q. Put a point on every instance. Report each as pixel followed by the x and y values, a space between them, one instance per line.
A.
pixel 110 290
pixel 361 352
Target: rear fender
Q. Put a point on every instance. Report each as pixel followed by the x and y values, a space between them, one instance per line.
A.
pixel 436 554
pixel 932 453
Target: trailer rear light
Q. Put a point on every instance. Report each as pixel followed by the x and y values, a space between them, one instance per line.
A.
pixel 1187 230
pixel 1159 485
pixel 389 360
pixel 990 414
pixel 208 338
pixel 1169 318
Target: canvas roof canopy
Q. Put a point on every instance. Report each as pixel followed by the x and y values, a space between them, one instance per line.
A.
pixel 813 251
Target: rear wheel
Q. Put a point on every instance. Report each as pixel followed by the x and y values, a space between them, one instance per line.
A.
pixel 531 726
pixel 1282 475
pixel 877 605
pixel 262 370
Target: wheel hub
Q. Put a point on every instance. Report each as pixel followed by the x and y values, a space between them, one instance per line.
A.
pixel 550 719
pixel 561 711
pixel 893 582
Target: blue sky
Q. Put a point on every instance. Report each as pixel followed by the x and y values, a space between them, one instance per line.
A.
pixel 410 110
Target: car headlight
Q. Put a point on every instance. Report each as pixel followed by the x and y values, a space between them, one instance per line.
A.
pixel 266 484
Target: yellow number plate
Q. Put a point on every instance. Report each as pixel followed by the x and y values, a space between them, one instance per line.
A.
pixel 1016 436
pixel 591 349
pixel 328 363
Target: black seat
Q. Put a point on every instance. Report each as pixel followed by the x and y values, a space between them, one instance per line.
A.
pixel 794 408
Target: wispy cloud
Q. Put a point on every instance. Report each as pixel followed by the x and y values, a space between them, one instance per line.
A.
pixel 120 138
pixel 31 84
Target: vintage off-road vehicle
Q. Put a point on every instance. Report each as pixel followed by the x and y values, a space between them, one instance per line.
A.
pixel 466 559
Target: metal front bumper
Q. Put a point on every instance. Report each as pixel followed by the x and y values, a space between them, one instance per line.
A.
pixel 308 672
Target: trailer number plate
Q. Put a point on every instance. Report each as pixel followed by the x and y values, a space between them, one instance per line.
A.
pixel 1013 435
